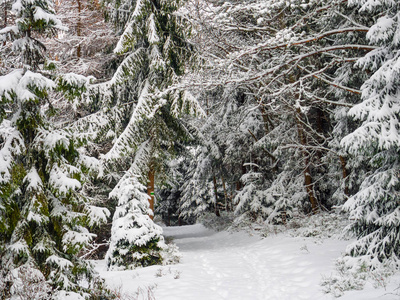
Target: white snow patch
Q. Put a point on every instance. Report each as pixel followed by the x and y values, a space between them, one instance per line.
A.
pixel 237 266
pixel 63 295
pixel 59 262
pixel 33 180
pixel 63 183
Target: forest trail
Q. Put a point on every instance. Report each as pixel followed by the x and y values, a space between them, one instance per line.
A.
pixel 235 266
pixel 238 266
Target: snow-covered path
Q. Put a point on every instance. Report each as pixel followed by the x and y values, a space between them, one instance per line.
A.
pixel 236 266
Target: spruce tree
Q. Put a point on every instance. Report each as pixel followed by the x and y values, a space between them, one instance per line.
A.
pixel 156 51
pixel 298 68
pixel 44 214
pixel 375 209
pixel 136 240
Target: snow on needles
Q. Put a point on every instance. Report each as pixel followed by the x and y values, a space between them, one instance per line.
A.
pixel 20 83
pixel 60 180
pixel 13 145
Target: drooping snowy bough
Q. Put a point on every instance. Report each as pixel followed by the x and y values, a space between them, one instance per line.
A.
pixel 44 212
pixel 148 125
pixel 375 208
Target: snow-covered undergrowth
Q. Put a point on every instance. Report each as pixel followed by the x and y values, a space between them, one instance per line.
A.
pixel 283 262
pixel 353 274
pixel 217 223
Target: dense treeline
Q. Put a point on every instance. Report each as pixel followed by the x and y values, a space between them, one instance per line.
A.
pixel 260 109
pixel 303 109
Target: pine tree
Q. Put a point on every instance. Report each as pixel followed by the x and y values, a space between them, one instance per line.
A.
pixel 293 64
pixel 135 239
pixel 375 207
pixel 154 42
pixel 44 214
pixel 197 191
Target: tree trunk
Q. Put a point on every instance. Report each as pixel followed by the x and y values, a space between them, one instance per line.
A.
pixel 239 184
pixel 266 120
pixel 5 20
pixel 150 190
pixel 79 28
pixel 168 221
pixel 5 14
pixel 307 172
pixel 216 196
pixel 344 174
pixel 225 194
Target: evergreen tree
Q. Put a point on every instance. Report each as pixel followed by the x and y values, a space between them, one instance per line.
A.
pixel 375 207
pixel 293 65
pixel 135 239
pixel 197 195
pixel 169 193
pixel 44 214
pixel 155 48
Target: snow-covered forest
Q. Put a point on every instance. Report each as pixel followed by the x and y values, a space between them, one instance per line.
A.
pixel 254 126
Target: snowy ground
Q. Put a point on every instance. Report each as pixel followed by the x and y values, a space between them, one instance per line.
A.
pixel 236 266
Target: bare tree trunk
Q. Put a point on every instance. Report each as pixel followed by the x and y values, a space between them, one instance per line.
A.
pixel 169 218
pixel 232 195
pixel 239 184
pixel 5 19
pixel 150 190
pixel 79 28
pixel 225 194
pixel 5 14
pixel 344 174
pixel 307 172
pixel 216 196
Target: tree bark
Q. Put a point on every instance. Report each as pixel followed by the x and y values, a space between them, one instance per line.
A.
pixel 5 14
pixel 216 196
pixel 239 184
pixel 5 20
pixel 79 28
pixel 344 175
pixel 150 190
pixel 307 172
pixel 225 194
